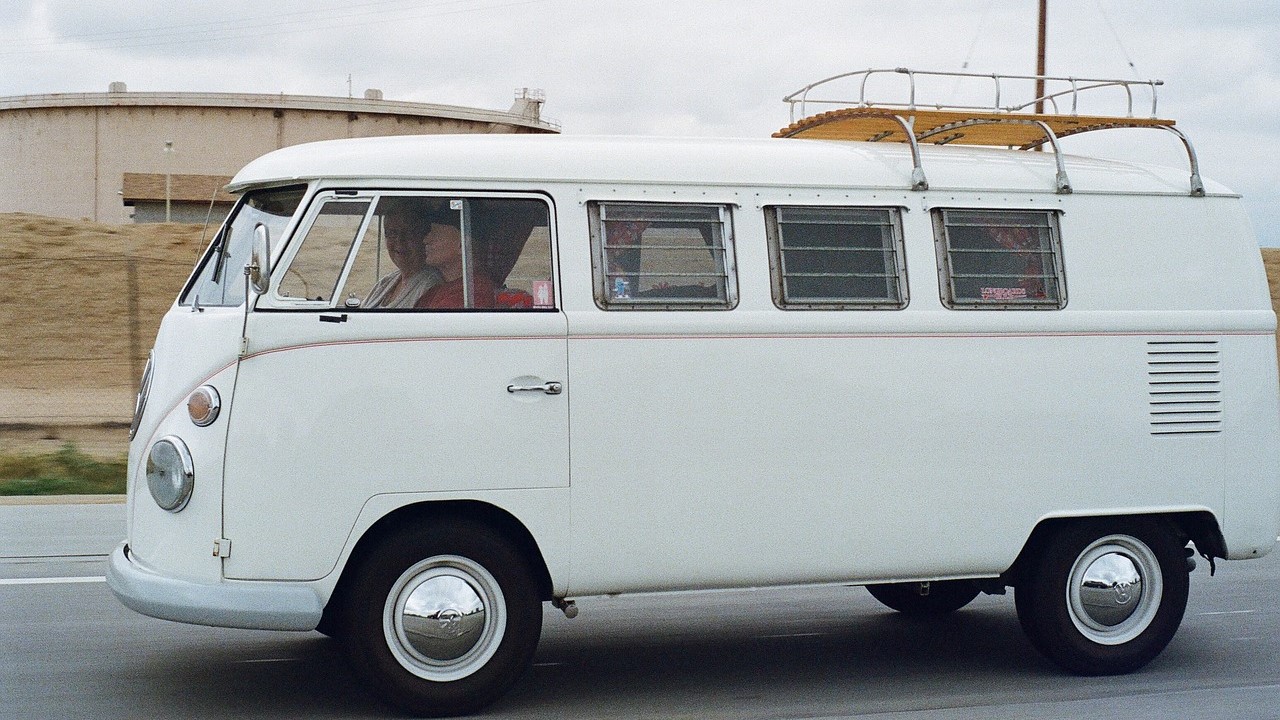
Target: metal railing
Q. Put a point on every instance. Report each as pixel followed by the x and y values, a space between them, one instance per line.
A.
pixel 1074 88
pixel 900 107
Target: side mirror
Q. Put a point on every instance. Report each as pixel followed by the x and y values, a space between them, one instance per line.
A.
pixel 259 267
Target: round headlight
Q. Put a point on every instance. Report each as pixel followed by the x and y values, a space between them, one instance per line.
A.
pixel 203 405
pixel 170 473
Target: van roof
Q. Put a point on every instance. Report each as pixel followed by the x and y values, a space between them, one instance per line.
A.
pixel 756 162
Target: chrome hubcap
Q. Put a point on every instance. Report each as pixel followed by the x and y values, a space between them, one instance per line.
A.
pixel 444 618
pixel 1111 589
pixel 1114 589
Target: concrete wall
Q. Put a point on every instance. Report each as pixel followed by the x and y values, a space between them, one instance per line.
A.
pixel 180 211
pixel 65 156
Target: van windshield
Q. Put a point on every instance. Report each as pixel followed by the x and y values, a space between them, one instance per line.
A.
pixel 220 280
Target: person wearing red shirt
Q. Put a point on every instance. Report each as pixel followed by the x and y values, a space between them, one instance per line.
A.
pixel 444 252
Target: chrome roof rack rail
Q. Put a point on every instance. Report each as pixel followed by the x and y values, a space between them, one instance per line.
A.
pixel 904 118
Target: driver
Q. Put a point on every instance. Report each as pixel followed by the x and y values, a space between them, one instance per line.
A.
pixel 406 225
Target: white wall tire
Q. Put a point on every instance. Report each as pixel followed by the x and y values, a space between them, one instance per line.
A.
pixel 1104 597
pixel 1114 590
pixel 442 619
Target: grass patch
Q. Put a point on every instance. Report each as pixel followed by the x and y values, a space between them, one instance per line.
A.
pixel 66 471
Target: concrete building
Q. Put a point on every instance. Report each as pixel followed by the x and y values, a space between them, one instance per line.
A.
pixel 124 156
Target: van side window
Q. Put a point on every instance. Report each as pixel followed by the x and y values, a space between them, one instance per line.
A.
pixel 425 252
pixel 454 252
pixel 993 259
pixel 662 256
pixel 833 257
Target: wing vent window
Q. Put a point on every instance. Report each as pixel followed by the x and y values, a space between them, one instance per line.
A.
pixel 832 257
pixel 999 259
pixel 1185 386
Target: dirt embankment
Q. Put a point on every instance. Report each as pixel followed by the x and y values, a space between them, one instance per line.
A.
pixel 84 301
pixel 81 293
pixel 1271 259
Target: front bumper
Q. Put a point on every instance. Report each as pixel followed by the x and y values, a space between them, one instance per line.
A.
pixel 254 605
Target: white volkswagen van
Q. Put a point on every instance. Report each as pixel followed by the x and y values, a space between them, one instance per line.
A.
pixel 419 386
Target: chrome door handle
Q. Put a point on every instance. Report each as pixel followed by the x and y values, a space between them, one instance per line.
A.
pixel 550 388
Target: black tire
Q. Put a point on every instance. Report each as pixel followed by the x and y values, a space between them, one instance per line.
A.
pixel 925 599
pixel 1080 606
pixel 442 657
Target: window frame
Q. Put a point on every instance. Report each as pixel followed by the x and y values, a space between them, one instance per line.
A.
pixel 231 273
pixel 773 231
pixel 298 243
pixel 375 196
pixel 943 250
pixel 597 216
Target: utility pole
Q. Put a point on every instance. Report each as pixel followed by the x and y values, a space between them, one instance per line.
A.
pixel 1040 58
pixel 168 180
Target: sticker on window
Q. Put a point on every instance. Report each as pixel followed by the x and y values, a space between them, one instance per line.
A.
pixel 1004 293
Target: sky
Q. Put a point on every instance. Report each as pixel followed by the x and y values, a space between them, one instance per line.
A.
pixel 687 68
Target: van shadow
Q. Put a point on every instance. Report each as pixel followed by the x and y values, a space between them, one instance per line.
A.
pixel 669 655
pixel 716 666
pixel 833 653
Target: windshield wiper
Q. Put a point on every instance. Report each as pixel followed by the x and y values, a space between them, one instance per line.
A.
pixel 221 249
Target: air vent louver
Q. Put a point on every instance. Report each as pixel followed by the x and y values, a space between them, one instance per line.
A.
pixel 1185 386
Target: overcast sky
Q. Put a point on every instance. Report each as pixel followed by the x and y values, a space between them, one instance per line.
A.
pixel 703 68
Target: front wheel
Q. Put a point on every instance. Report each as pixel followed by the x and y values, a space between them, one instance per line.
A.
pixel 1105 598
pixel 925 599
pixel 442 619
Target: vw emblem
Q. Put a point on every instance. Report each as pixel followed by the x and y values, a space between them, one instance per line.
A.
pixel 450 623
pixel 1123 596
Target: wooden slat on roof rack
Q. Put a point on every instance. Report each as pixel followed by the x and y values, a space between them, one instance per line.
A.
pixel 1000 129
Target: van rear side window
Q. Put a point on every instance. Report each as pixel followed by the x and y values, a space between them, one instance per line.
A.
pixel 834 257
pixel 993 259
pixel 660 256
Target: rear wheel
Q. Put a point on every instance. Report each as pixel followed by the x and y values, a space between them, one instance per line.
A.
pixel 925 599
pixel 442 620
pixel 1105 598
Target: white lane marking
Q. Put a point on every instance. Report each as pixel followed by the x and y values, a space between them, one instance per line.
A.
pixel 1230 612
pixel 268 660
pixel 52 580
pixel 23 559
pixel 788 635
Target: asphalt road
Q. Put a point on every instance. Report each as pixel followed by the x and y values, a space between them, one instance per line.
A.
pixel 68 649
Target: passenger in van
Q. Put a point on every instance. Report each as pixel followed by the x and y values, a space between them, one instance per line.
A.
pixel 444 253
pixel 1025 261
pixel 406 225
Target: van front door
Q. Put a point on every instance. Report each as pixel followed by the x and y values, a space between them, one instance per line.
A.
pixel 375 367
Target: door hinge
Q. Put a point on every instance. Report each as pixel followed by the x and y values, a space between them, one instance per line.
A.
pixel 222 548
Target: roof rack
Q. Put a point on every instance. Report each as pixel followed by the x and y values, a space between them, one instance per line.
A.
pixel 1017 126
